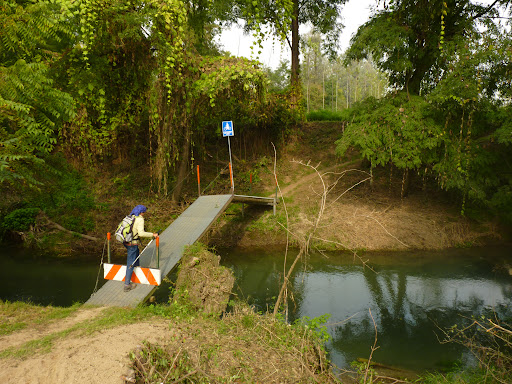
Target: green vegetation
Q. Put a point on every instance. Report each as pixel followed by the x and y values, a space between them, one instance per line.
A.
pixel 19 315
pixel 457 377
pixel 103 103
pixel 97 107
pixel 243 346
pixel 445 121
pixel 324 115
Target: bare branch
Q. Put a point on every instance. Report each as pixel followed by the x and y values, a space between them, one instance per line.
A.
pixel 374 348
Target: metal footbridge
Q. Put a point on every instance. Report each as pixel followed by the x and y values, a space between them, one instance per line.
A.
pixel 189 227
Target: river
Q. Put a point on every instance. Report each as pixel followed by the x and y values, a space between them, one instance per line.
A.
pixel 408 296
pixel 411 296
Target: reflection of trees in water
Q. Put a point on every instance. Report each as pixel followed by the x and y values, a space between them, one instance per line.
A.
pixel 407 330
pixel 388 296
pixel 506 290
pixel 409 303
pixel 412 343
pixel 258 282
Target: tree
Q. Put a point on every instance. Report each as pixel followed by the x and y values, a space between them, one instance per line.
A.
pixel 406 39
pixel 328 84
pixel 141 71
pixel 283 18
pixel 459 134
pixel 31 106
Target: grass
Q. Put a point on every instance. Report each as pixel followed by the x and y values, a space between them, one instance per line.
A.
pixel 19 315
pixel 475 376
pixel 324 115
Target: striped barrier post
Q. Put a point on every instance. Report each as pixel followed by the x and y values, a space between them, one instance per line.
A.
pixel 141 275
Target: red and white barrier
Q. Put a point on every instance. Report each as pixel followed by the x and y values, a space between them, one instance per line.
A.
pixel 140 275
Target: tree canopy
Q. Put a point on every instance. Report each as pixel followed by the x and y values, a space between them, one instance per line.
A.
pixel 407 39
pixel 31 105
pixel 457 132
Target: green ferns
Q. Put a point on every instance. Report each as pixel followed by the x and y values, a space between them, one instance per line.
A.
pixel 31 108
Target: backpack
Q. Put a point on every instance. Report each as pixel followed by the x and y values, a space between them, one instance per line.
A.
pixel 124 231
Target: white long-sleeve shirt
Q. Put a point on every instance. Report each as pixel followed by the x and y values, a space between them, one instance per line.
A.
pixel 138 230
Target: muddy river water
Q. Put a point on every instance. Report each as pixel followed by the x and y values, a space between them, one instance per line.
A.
pixel 410 297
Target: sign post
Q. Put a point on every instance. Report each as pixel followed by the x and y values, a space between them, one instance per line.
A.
pixel 227 131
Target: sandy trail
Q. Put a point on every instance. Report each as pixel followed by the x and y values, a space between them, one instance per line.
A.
pixel 100 358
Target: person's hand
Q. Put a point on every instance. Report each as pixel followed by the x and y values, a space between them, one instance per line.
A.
pixel 155 235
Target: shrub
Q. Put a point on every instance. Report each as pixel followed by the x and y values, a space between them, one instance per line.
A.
pixel 20 219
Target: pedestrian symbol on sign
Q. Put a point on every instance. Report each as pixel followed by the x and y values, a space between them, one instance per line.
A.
pixel 227 128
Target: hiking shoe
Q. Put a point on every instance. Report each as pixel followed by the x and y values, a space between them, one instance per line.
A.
pixel 129 287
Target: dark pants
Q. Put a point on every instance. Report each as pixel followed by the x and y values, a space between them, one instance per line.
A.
pixel 133 253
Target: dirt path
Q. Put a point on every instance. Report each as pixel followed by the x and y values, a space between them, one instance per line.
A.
pixel 100 358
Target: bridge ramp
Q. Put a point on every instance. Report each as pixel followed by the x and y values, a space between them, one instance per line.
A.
pixel 189 227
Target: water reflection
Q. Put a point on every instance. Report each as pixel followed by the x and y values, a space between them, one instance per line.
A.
pixel 410 296
pixel 46 281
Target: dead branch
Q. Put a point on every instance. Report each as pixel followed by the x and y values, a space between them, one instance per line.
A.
pixel 374 348
pixel 184 377
pixel 305 240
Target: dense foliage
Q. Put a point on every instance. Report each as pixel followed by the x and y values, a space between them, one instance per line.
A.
pixel 129 85
pixel 31 105
pixel 141 79
pixel 459 131
pixel 141 84
pixel 406 39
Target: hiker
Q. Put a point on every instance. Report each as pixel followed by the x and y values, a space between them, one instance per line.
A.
pixel 133 246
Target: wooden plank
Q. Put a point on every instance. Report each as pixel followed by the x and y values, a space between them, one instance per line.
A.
pixel 189 227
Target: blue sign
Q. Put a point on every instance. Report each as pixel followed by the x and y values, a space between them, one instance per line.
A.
pixel 227 129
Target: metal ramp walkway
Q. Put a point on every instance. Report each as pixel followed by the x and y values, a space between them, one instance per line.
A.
pixel 189 227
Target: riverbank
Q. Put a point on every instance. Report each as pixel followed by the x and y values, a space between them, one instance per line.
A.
pixel 343 206
pixel 347 207
pixel 184 340
pixel 46 344
pixel 106 345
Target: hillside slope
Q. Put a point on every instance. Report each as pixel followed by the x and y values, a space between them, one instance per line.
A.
pixel 358 213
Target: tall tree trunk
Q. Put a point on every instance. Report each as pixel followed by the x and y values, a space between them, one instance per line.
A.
pixel 405 183
pixel 295 79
